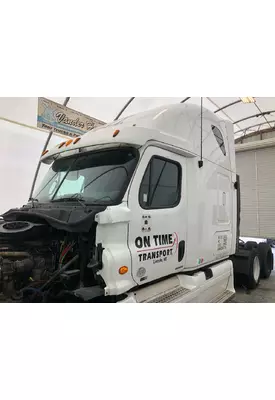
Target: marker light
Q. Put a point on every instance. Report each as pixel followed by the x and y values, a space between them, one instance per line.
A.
pixel 61 145
pixel 116 133
pixel 76 140
pixel 247 100
pixel 44 152
pixel 69 142
pixel 123 270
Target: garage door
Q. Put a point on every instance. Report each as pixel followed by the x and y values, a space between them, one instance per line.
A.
pixel 257 174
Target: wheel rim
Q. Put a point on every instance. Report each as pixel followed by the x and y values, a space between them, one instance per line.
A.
pixel 256 268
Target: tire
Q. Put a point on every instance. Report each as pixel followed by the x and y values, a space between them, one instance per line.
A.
pixel 254 270
pixel 250 245
pixel 266 260
pixel 271 242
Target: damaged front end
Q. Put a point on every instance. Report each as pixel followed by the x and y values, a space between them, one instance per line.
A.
pixel 48 248
pixel 49 255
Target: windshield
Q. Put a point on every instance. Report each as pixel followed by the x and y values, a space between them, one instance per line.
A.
pixel 100 177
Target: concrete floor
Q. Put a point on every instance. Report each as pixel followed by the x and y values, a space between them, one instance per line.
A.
pixel 265 293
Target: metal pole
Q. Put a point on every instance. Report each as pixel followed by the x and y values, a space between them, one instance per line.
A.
pixel 124 108
pixel 201 160
pixel 44 148
pixel 186 99
pixel 255 116
pixel 228 105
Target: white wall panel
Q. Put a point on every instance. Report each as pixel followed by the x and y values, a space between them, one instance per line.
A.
pixel 256 168
pixel 20 149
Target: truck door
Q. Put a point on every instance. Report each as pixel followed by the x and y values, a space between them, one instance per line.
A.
pixel 157 230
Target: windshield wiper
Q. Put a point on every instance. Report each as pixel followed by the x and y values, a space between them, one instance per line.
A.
pixel 75 197
pixel 32 199
pixel 95 201
pixel 62 180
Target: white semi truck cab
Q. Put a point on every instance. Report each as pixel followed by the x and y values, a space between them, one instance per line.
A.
pixel 145 209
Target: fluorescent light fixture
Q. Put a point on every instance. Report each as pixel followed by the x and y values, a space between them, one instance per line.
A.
pixel 247 100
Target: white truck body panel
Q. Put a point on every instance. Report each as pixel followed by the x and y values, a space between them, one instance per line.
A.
pixel 204 219
pixel 189 289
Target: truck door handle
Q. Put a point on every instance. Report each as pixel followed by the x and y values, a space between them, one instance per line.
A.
pixel 181 250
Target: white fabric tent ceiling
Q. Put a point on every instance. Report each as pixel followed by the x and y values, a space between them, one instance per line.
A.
pixel 21 145
pixel 247 118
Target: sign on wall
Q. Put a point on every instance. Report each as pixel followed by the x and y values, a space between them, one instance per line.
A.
pixel 63 120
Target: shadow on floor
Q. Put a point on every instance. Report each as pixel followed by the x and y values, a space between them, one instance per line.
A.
pixel 265 293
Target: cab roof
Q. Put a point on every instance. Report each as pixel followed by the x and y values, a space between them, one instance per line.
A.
pixel 172 124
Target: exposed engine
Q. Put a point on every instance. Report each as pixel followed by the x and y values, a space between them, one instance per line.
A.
pixel 39 263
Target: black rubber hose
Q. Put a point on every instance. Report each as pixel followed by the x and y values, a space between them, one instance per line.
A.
pixel 58 272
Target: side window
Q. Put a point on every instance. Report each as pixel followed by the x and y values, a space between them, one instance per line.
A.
pixel 161 184
pixel 219 138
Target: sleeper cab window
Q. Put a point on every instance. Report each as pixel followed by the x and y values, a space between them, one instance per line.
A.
pixel 161 184
pixel 219 138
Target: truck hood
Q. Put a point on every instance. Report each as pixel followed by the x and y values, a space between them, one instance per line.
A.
pixel 66 217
